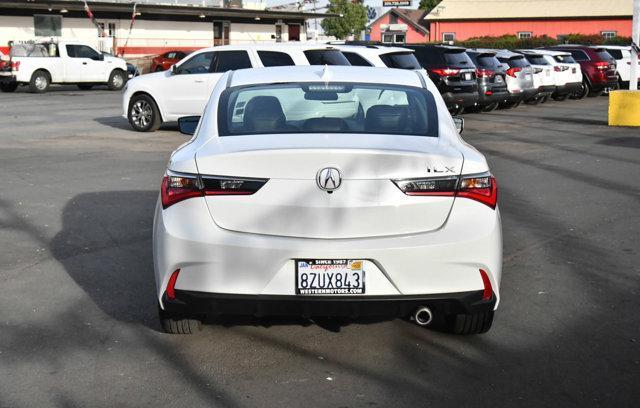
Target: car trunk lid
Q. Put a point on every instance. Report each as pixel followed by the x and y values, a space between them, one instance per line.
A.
pixel 366 204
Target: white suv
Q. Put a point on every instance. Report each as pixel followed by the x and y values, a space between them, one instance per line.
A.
pixel 149 100
pixel 622 55
pixel 567 72
pixel 380 56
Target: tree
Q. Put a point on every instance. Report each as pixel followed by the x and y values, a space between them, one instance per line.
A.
pixel 428 5
pixel 352 21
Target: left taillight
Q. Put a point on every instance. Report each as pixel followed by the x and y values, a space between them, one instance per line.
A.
pixel 179 187
pixel 176 188
pixel 479 187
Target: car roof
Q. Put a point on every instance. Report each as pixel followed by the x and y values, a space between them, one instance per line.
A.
pixel 320 73
pixel 439 46
pixel 374 49
pixel 507 54
pixel 616 47
pixel 273 46
pixel 481 51
pixel 531 53
pixel 551 52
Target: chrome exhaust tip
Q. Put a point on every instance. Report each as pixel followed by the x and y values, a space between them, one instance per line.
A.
pixel 423 316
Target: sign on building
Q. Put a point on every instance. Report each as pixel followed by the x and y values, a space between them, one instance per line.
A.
pixel 395 3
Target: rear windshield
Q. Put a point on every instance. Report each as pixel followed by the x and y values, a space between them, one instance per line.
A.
pixel 356 60
pixel 617 54
pixel 327 108
pixel 566 59
pixel 603 54
pixel 537 60
pixel 517 62
pixel 458 59
pixel 326 57
pixel 487 61
pixel 402 60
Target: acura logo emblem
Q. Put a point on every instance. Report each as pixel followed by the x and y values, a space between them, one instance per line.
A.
pixel 329 179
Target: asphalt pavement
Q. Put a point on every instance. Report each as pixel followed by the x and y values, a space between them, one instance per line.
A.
pixel 78 325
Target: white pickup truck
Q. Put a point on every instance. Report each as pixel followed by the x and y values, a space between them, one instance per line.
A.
pixel 39 65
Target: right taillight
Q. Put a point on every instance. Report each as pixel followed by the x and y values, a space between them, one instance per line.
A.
pixel 445 71
pixel 482 188
pixel 484 73
pixel 179 187
pixel 479 187
pixel 513 70
pixel 15 65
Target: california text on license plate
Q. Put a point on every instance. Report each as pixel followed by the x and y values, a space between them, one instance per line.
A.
pixel 329 277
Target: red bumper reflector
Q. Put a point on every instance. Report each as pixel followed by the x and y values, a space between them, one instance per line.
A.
pixel 488 290
pixel 171 291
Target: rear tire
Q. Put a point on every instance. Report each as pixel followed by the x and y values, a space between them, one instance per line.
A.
pixel 143 113
pixel 8 86
pixel 472 323
pixel 85 87
pixel 489 108
pixel 159 69
pixel 473 109
pixel 40 81
pixel 174 324
pixel 582 92
pixel 456 110
pixel 117 79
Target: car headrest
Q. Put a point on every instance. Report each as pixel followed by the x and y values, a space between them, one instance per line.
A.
pixel 386 118
pixel 325 125
pixel 264 113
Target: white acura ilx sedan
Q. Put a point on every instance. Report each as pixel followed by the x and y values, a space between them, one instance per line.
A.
pixel 327 191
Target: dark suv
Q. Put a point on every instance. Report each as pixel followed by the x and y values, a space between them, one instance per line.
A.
pixel 452 71
pixel 598 68
pixel 492 87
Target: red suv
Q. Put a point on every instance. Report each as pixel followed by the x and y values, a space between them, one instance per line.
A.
pixel 164 61
pixel 598 68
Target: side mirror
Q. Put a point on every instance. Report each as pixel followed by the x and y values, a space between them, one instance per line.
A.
pixel 459 122
pixel 174 69
pixel 188 124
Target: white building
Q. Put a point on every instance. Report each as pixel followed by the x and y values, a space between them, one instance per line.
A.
pixel 159 26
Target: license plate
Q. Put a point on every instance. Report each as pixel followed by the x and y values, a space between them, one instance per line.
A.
pixel 573 70
pixel 467 76
pixel 329 277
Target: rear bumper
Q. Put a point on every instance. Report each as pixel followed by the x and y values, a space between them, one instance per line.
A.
pixel 568 88
pixel 7 77
pixel 464 99
pixel 211 304
pixel 494 95
pixel 220 263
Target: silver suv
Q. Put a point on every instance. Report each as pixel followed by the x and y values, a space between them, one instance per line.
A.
pixel 519 77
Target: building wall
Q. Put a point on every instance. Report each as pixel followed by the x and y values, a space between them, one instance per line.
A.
pixel 552 28
pixel 412 35
pixel 148 37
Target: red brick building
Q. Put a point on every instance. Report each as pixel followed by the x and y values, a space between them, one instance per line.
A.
pixel 455 20
pixel 399 26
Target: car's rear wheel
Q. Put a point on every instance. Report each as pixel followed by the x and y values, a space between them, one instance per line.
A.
pixel 143 113
pixel 85 87
pixel 533 101
pixel 178 324
pixel 40 81
pixel 456 110
pixel 8 86
pixel 490 107
pixel 471 323
pixel 159 69
pixel 582 92
pixel 473 109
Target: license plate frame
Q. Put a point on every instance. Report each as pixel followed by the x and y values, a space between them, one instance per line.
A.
pixel 321 274
pixel 467 76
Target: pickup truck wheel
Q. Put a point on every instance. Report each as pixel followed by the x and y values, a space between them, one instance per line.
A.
pixel 8 86
pixel 40 82
pixel 117 79
pixel 143 114
pixel 85 87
